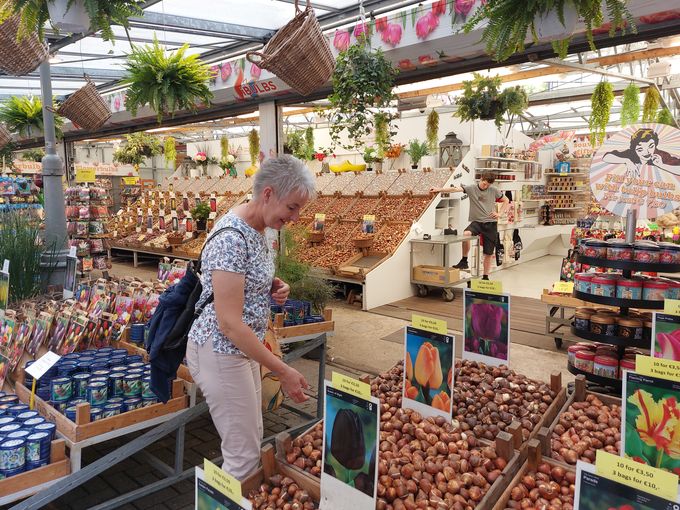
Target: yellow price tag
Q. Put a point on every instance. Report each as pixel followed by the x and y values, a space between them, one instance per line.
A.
pixel 222 481
pixel 671 306
pixel 320 216
pixel 429 324
pixel 657 367
pixel 130 181
pixel 350 385
pixel 563 287
pixel 369 217
pixel 488 286
pixel 633 474
pixel 85 175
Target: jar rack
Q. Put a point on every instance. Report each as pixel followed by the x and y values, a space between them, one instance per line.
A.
pixel 627 267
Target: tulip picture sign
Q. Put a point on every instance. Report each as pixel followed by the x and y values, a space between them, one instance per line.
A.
pixel 428 374
pixel 349 479
pixel 650 421
pixel 666 336
pixel 486 326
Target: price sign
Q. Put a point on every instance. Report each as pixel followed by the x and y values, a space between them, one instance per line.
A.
pixel 43 364
pixel 488 286
pixel 351 385
pixel 657 367
pixel 130 181
pixel 563 287
pixel 429 324
pixel 222 481
pixel 633 474
pixel 85 175
pixel 671 306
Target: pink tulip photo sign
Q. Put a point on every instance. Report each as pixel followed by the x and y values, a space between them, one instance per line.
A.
pixel 666 336
pixel 428 374
pixel 486 326
pixel 638 169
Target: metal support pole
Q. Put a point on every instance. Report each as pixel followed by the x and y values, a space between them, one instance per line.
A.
pixel 53 171
pixel 631 225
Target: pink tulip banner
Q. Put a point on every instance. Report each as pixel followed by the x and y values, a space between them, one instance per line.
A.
pixel 666 336
pixel 486 326
pixel 428 374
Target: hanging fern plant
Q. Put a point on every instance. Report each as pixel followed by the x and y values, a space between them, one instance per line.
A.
pixel 23 115
pixel 630 108
pixel 509 22
pixel 665 117
pixel 254 146
pixel 432 131
pixel 651 104
pixel 167 82
pixel 601 105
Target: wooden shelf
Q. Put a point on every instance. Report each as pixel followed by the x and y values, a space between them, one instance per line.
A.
pixel 596 379
pixel 612 340
pixel 644 304
pixel 497 158
pixel 630 265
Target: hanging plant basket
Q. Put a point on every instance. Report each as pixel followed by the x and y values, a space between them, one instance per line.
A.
pixel 5 136
pixel 298 53
pixel 19 58
pixel 493 109
pixel 86 107
pixel 68 15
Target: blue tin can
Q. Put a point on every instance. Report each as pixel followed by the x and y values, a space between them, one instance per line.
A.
pixel 117 360
pixel 77 401
pixel 100 379
pixel 12 454
pixel 18 434
pixel 132 403
pixel 97 393
pixel 96 413
pixel 87 352
pixel 84 366
pixel 146 388
pixel 6 420
pixel 61 389
pixel 134 359
pixel 106 350
pixel 17 409
pixel 33 422
pixel 80 382
pixel 71 413
pixel 5 430
pixel 38 445
pixel 115 400
pixel 43 392
pixel 101 372
pixel 116 383
pixel 137 371
pixel 67 369
pixel 72 356
pixel 146 402
pixel 99 364
pixel 48 427
pixel 119 352
pixel 9 399
pixel 86 359
pixel 136 365
pixel 119 368
pixel 112 409
pixel 60 406
pixel 27 415
pixel 132 385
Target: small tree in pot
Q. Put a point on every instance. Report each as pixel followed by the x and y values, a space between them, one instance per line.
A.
pixel 416 150
pixel 200 214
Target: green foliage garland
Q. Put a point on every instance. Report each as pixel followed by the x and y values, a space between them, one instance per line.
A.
pixel 383 133
pixel 23 114
pixel 170 150
pixel 509 22
pixel 651 104
pixel 167 82
pixel 601 104
pixel 224 147
pixel 432 131
pixel 630 108
pixel 254 146
pixel 362 80
pixel 665 117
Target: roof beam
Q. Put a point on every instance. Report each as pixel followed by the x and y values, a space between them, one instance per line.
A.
pixel 79 72
pixel 633 56
pixel 586 68
pixel 314 5
pixel 202 26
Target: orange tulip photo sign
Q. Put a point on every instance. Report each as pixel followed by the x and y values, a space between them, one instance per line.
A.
pixel 428 374
pixel 666 336
pixel 486 327
pixel 650 425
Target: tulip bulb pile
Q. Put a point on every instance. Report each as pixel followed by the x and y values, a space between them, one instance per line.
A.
pixel 548 487
pixel 306 451
pixel 281 493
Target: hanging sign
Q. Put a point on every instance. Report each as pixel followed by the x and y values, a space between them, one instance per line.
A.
pixel 638 169
pixel 130 181
pixel 486 327
pixel 85 175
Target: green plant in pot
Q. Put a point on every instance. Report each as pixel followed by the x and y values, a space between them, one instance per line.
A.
pixel 483 99
pixel 102 14
pixel 362 81
pixel 23 114
pixel 166 81
pixel 200 214
pixel 138 147
pixel 416 151
pixel 371 157
pixel 35 155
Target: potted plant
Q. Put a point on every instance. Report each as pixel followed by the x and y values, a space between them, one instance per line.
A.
pixel 601 104
pixel 508 23
pixel 35 155
pixel 483 99
pixel 167 82
pixel 24 115
pixel 73 15
pixel 228 165
pixel 362 80
pixel 200 214
pixel 370 157
pixel 630 107
pixel 138 146
pixel 416 150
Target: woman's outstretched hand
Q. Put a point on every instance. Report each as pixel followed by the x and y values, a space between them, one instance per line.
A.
pixel 280 291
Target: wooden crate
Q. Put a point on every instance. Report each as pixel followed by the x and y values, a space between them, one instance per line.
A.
pixel 284 444
pixel 83 428
pixel 124 343
pixel 579 395
pixel 271 466
pixel 553 410
pixel 353 269
pixel 561 300
pixel 304 329
pixel 58 467
pixel 534 459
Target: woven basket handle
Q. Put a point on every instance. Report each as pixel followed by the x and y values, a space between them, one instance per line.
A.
pixel 297 7
pixel 250 57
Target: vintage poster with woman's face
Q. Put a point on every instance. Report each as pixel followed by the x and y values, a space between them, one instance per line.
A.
pixel 638 169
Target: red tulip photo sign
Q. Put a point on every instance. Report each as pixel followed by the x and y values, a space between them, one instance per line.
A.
pixel 428 374
pixel 666 336
pixel 486 326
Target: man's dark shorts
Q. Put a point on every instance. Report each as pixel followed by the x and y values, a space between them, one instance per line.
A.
pixel 488 230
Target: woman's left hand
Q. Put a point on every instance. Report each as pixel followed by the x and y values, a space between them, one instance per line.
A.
pixel 280 291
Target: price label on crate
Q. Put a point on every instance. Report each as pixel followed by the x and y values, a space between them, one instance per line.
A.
pixel 222 481
pixel 563 287
pixel 487 286
pixel 634 474
pixel 657 367
pixel 351 385
pixel 671 306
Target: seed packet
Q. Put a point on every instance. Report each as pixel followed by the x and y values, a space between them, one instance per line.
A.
pixel 82 247
pixel 74 335
pixel 22 185
pixel 17 346
pixel 40 329
pixel 82 228
pixel 102 335
pixel 150 306
pixel 6 186
pixel 59 329
pixel 4 368
pixel 176 274
pixel 84 212
pixel 96 228
pixel 123 310
pixel 87 264
pixel 7 326
pixel 139 301
pixel 82 294
pixel 101 263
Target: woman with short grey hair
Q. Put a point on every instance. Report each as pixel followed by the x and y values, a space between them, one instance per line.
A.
pixel 225 347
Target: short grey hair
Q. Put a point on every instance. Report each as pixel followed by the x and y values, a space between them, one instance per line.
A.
pixel 285 175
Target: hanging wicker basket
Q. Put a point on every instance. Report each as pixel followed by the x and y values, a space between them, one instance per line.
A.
pixel 298 53
pixel 86 107
pixel 5 136
pixel 19 58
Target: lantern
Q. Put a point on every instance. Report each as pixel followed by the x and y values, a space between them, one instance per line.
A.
pixel 451 151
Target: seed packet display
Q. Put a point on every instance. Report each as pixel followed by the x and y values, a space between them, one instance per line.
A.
pixel 82 294
pixel 209 498
pixel 486 327
pixel 40 329
pixel 428 377
pixel 350 451
pixel 651 404
pixel 139 301
pixel 123 310
pixel 102 335
pixel 21 335
pixel 74 335
pixel 666 336
pixel 150 305
pixel 59 329
pixel 7 325
pixel 164 269
pixel 594 492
